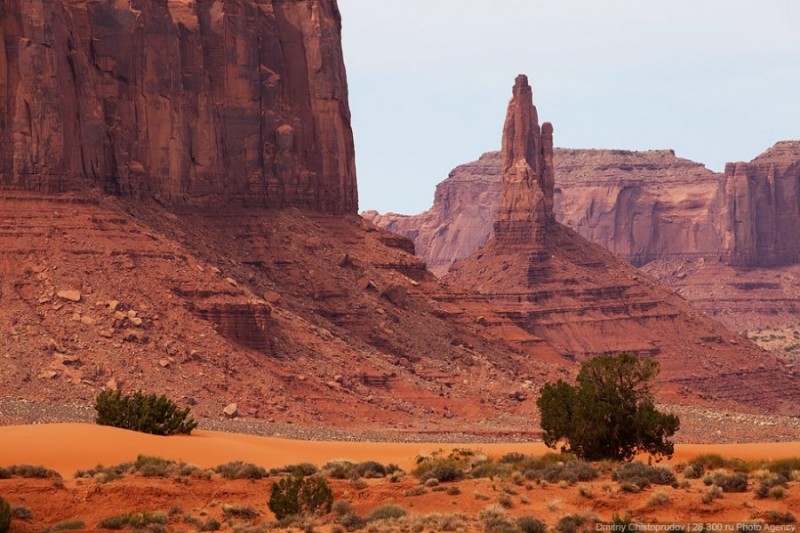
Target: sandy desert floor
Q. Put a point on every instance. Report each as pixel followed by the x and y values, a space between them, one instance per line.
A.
pixel 188 501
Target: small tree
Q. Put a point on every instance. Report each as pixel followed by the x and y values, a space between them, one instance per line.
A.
pixel 148 413
pixel 610 413
pixel 298 495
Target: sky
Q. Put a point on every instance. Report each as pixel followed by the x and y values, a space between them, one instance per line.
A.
pixel 715 80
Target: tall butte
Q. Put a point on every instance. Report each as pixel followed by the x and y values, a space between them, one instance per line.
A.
pixel 538 282
pixel 526 207
pixel 191 103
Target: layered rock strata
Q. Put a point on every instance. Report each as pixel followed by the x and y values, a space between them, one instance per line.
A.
pixel 573 295
pixel 526 199
pixel 761 209
pixel 204 103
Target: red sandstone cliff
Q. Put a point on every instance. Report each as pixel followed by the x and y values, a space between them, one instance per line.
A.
pixel 761 208
pixel 579 298
pixel 640 205
pixel 725 242
pixel 187 102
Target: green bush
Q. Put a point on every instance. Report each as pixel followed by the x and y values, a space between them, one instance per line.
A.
pixel 730 483
pixel 133 520
pixel 386 512
pixel 5 516
pixel 28 471
pixel 300 495
pixel 240 470
pixel 147 413
pixel 528 524
pixel 239 511
pixel 643 475
pixel 609 413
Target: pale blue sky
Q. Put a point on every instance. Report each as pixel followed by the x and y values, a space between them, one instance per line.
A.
pixel 716 80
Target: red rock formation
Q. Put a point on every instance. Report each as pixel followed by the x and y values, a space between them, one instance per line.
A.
pixel 526 201
pixel 761 208
pixel 188 102
pixel 571 294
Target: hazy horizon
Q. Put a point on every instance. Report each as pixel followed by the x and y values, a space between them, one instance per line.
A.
pixel 716 81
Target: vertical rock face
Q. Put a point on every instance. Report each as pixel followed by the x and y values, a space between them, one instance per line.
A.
pixel 526 203
pixel 201 103
pixel 761 211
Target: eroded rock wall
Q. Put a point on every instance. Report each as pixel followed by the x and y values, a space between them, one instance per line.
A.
pixel 205 102
pixel 643 206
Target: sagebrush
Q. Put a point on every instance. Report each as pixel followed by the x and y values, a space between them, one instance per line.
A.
pixel 147 413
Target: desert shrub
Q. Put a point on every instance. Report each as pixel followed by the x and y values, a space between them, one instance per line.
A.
pixel 643 475
pixel 658 499
pixel 371 469
pixel 714 461
pixel 300 469
pixel 300 495
pixel 777 518
pixel 105 474
pixel 150 466
pixel 784 467
pixel 367 469
pixel 338 469
pixel 693 471
pixel 767 484
pixel 351 522
pixel 513 458
pixel 5 516
pixel 505 501
pixel 777 493
pixel 211 524
pixel 133 520
pixel 713 493
pixel 444 472
pixel 416 491
pixel 730 483
pixel 490 469
pixel 628 486
pixel 147 413
pixel 571 523
pixel 444 468
pixel 571 472
pixel 453 490
pixel 586 492
pixel 21 512
pixel 28 472
pixel 239 511
pixel 342 507
pixel 529 524
pixel 386 512
pixel 609 413
pixel 623 524
pixel 240 470
pixel 495 520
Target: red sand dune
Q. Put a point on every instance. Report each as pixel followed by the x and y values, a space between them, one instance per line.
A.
pixel 70 447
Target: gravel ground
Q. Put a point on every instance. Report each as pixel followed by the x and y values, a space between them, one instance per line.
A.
pixel 697 426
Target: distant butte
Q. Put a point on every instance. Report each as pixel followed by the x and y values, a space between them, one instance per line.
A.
pixel 722 240
pixel 579 298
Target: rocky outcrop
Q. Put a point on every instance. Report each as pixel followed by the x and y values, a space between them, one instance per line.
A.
pixel 571 294
pixel 643 206
pixel 761 208
pixel 526 197
pixel 199 103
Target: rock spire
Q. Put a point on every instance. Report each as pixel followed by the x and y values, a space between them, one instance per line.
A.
pixel 526 206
